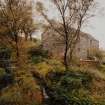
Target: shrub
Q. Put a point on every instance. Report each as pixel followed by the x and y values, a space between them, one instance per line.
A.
pixel 2 73
pixel 6 51
pixel 70 88
pixel 11 95
pixel 56 65
pixel 101 67
pixel 37 59
pixel 23 92
pixel 38 55
pixel 38 51
pixel 95 54
pixel 48 65
pixel 43 68
pixel 5 79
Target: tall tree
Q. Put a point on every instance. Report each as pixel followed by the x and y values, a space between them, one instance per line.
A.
pixel 16 21
pixel 72 15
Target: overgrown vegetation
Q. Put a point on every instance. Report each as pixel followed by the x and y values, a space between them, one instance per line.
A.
pixel 29 75
pixel 74 87
pixel 38 55
pixel 70 88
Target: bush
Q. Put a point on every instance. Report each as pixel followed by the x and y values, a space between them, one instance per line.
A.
pixel 11 95
pixel 37 59
pixel 70 88
pixel 101 67
pixel 80 98
pixel 95 54
pixel 23 92
pixel 5 79
pixel 6 51
pixel 38 51
pixel 38 55
pixel 43 68
pixel 2 73
pixel 56 65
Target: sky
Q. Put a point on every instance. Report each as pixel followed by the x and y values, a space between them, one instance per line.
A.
pixel 96 25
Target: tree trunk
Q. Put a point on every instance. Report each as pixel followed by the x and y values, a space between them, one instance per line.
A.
pixel 30 37
pixel 17 50
pixel 65 57
pixel 71 56
pixel 66 44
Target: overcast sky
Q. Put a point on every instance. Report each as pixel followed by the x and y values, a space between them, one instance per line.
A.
pixel 96 25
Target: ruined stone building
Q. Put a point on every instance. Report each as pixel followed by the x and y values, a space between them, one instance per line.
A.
pixel 50 42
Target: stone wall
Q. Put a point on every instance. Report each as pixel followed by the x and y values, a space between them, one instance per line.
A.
pixel 84 46
pixel 52 42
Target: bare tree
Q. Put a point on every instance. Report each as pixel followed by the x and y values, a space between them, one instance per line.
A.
pixel 16 21
pixel 72 15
